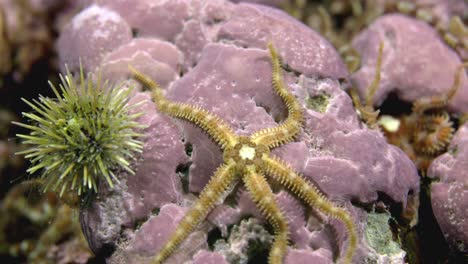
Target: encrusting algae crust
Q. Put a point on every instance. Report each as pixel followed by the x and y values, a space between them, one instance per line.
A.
pixel 249 159
pixel 422 135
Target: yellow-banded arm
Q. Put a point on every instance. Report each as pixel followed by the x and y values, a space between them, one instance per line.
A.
pixel 265 200
pixel 314 198
pixel 438 101
pixel 368 114
pixel 463 119
pixel 210 123
pixel 273 137
pixel 211 194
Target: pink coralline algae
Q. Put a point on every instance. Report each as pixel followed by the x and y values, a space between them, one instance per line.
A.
pixel 449 194
pixel 213 54
pixel 417 63
pixel 411 64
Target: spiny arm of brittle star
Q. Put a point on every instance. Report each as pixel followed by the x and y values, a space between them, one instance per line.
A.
pixel 210 123
pixel 284 174
pixel 211 194
pixel 372 89
pixel 265 200
pixel 368 113
pixel 438 101
pixel 463 119
pixel 273 137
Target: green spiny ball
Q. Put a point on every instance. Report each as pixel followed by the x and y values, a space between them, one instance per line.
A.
pixel 82 136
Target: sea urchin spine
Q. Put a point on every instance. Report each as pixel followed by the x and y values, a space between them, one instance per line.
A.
pixel 82 136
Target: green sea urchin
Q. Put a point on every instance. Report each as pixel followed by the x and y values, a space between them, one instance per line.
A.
pixel 82 136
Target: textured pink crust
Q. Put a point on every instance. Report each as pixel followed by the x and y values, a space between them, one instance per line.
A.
pixel 416 62
pixel 449 196
pixel 213 54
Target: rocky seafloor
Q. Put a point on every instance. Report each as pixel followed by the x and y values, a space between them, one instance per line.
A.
pixel 409 206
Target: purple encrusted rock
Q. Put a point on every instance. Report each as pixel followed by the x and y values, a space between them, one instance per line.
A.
pixel 91 34
pixel 213 54
pixel 416 62
pixel 154 184
pixel 449 194
pixel 297 256
pixel 263 2
pixel 158 59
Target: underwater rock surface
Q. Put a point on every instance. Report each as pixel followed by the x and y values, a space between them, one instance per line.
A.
pixel 213 54
pixel 412 61
pixel 417 63
pixel 449 195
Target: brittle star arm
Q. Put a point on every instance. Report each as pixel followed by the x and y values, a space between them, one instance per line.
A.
pixel 265 200
pixel 438 101
pixel 211 194
pixel 367 111
pixel 273 137
pixel 210 123
pixel 463 119
pixel 284 174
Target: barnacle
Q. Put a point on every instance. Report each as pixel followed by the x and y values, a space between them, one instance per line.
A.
pixel 248 158
pixel 82 136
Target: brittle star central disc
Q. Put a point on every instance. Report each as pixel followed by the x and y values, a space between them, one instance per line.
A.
pixel 246 152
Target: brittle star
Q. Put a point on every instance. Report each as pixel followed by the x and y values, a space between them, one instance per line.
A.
pixel 248 158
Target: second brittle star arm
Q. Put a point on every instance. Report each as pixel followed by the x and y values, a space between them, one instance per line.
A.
pixel 438 101
pixel 265 200
pixel 210 123
pixel 273 137
pixel 213 191
pixel 368 113
pixel 284 174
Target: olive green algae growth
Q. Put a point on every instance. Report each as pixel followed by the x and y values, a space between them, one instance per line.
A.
pixel 379 236
pixel 318 103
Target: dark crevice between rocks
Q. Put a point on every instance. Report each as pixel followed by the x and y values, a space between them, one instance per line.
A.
pixel 188 148
pixel 278 116
pixel 394 106
pixel 427 239
pixel 86 201
pixel 155 211
pixel 182 71
pixel 105 252
pixel 214 21
pixel 183 171
pixel 138 223
pixel 257 252
pixel 11 90
pixel 232 198
pixel 213 236
pixel 343 82
pixel 8 259
pixel 135 32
